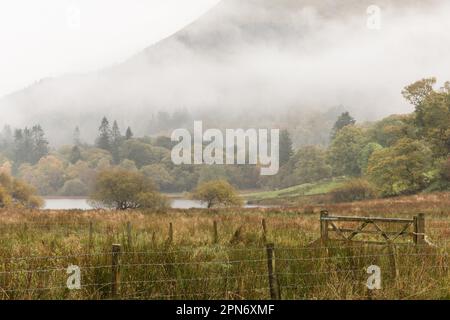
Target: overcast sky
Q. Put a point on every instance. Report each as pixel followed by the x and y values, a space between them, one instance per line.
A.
pixel 46 38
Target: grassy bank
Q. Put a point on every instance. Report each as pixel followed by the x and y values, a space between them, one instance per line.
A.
pixel 293 195
pixel 38 246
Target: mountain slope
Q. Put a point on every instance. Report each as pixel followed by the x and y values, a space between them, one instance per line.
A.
pixel 254 56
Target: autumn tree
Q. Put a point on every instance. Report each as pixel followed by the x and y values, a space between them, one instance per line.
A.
pixel 389 130
pixel 142 153
pixel 80 171
pixel 217 193
pixel 17 193
pixel 164 142
pixel 366 153
pixel 308 164
pixel 344 151
pixel 159 174
pixel 311 165
pixel 419 91
pixel 402 168
pixel 121 190
pixel 75 154
pixel 47 175
pixel 432 113
pixel 74 188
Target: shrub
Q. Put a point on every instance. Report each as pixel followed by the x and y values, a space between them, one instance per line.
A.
pixel 153 200
pixel 17 193
pixel 354 190
pixel 5 197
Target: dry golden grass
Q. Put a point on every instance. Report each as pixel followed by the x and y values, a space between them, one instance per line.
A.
pixel 38 246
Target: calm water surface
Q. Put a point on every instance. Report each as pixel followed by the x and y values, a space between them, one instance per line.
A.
pixel 75 203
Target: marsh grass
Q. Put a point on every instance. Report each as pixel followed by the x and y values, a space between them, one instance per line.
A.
pixel 36 247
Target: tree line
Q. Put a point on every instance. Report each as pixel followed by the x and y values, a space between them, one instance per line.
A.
pixel 400 154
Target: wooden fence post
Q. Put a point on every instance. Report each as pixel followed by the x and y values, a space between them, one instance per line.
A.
pixel 419 230
pixel 216 233
pixel 91 235
pixel 170 238
pixel 323 226
pixel 264 227
pixel 129 234
pixel 153 238
pixel 115 270
pixel 275 293
pixel 393 260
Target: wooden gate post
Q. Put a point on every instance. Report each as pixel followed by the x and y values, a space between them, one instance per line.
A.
pixel 115 270
pixel 323 226
pixel 275 293
pixel 419 230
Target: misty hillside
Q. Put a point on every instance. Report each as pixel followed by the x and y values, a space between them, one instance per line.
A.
pixel 257 56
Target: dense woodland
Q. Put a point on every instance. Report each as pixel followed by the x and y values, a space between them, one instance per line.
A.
pixel 400 154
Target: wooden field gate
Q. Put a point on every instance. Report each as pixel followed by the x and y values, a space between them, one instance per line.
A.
pixel 330 223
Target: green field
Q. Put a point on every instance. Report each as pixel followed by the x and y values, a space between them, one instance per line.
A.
pixel 293 194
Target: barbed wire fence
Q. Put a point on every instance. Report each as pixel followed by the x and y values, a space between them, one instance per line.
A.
pixel 268 271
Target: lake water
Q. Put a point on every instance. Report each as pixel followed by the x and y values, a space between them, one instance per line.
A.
pixel 75 203
pixel 66 204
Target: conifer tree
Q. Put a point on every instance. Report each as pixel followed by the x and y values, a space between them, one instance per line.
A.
pixel 104 138
pixel 343 120
pixel 128 134
pixel 40 144
pixel 76 136
pixel 116 141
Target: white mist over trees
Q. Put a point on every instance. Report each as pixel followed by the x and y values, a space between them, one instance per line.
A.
pixel 254 57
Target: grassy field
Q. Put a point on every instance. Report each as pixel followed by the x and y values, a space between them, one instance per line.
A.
pixel 293 195
pixel 38 246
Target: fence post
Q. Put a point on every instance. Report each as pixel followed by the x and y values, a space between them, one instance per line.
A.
pixel 275 293
pixel 91 235
pixel 264 227
pixel 216 233
pixel 115 270
pixel 323 226
pixel 419 229
pixel 129 234
pixel 393 260
pixel 170 238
